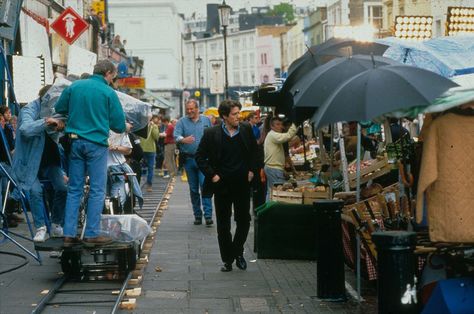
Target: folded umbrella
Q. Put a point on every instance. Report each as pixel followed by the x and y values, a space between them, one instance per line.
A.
pixel 381 90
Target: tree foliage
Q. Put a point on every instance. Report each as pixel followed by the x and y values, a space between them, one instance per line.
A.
pixel 284 9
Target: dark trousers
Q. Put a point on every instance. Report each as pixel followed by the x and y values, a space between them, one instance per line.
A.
pixel 239 196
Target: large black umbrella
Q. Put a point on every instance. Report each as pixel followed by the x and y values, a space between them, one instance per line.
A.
pixel 330 49
pixel 381 90
pixel 316 86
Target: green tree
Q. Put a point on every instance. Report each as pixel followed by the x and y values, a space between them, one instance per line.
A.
pixel 285 10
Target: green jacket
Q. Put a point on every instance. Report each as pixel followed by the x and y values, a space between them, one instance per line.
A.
pixel 149 144
pixel 93 108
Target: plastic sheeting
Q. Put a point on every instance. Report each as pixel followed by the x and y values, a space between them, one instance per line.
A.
pixel 447 56
pixel 137 112
pixel 124 228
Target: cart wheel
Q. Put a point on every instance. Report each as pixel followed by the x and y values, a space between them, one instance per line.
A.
pixel 127 259
pixel 71 264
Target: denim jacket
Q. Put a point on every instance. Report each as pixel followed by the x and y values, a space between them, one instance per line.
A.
pixel 29 145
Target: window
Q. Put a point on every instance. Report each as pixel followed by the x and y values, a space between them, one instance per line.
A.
pixel 244 61
pixel 236 61
pixel 236 78
pixel 373 14
pixel 251 42
pixel 244 43
pixel 213 47
pixel 252 59
pixel 245 78
pixel 235 43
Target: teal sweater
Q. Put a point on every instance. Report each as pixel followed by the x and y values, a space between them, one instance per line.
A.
pixel 93 108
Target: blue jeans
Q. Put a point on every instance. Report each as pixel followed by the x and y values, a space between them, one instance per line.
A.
pixel 150 162
pixel 273 176
pixel 116 185
pixel 86 158
pixel 55 175
pixel 196 181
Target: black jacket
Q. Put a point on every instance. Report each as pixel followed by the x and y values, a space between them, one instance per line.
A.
pixel 208 155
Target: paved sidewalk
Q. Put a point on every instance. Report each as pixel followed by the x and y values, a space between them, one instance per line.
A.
pixel 190 280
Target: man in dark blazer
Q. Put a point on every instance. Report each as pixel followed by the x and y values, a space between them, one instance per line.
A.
pixel 227 155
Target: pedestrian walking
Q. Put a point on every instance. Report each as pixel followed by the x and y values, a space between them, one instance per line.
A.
pixel 188 133
pixel 227 155
pixel 93 108
pixel 170 147
pixel 148 145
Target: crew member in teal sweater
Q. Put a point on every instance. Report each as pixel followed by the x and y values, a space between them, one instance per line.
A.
pixel 93 108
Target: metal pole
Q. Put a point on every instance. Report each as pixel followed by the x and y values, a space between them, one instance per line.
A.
pixel 199 86
pixel 358 200
pixel 226 91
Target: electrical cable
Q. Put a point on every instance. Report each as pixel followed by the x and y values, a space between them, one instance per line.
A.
pixel 26 261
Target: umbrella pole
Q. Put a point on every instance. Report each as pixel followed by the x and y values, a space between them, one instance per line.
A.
pixel 342 150
pixel 306 168
pixel 331 167
pixel 358 200
pixel 322 149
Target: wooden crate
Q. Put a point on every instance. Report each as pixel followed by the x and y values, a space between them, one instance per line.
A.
pixel 287 197
pixel 309 197
pixel 377 169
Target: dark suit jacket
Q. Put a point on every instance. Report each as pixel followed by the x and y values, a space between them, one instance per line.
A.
pixel 209 154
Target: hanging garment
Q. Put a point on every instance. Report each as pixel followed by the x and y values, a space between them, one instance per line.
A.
pixel 447 179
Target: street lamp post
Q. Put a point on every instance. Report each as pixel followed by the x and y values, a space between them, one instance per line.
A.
pixel 199 65
pixel 224 15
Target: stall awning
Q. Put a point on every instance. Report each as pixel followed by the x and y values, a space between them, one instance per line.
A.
pixel 156 100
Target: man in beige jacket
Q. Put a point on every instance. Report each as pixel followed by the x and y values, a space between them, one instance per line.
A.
pixel 275 154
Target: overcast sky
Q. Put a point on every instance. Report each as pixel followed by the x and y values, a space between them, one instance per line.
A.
pixel 199 6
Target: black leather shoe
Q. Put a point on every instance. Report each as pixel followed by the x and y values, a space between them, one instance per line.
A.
pixel 226 268
pixel 240 262
pixel 209 222
pixel 198 221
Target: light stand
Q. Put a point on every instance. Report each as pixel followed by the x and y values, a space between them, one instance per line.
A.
pixel 199 66
pixel 224 15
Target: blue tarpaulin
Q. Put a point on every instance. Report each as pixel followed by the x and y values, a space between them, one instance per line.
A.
pixel 447 56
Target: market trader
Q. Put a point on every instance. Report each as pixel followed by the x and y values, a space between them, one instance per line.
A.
pixel 93 108
pixel 275 153
pixel 188 133
pixel 227 155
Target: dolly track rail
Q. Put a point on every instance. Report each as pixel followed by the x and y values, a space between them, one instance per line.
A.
pixel 64 280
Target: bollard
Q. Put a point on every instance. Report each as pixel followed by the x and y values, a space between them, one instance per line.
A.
pixel 396 272
pixel 330 269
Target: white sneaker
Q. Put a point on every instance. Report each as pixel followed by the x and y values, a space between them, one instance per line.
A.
pixel 40 235
pixel 56 231
pixel 166 176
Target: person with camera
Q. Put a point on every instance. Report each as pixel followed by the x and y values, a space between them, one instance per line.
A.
pixel 93 109
pixel 37 157
pixel 275 152
pixel 227 155
pixel 188 133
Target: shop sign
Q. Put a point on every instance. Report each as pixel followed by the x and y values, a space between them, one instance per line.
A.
pixel 132 82
pixel 69 25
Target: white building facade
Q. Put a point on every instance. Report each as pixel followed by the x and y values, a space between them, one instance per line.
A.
pixel 241 64
pixel 153 30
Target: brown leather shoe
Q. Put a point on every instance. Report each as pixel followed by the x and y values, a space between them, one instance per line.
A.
pixel 68 241
pixel 101 240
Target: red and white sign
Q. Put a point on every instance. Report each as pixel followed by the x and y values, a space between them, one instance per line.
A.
pixel 69 25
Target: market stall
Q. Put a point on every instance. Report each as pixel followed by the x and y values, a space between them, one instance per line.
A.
pixel 392 176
